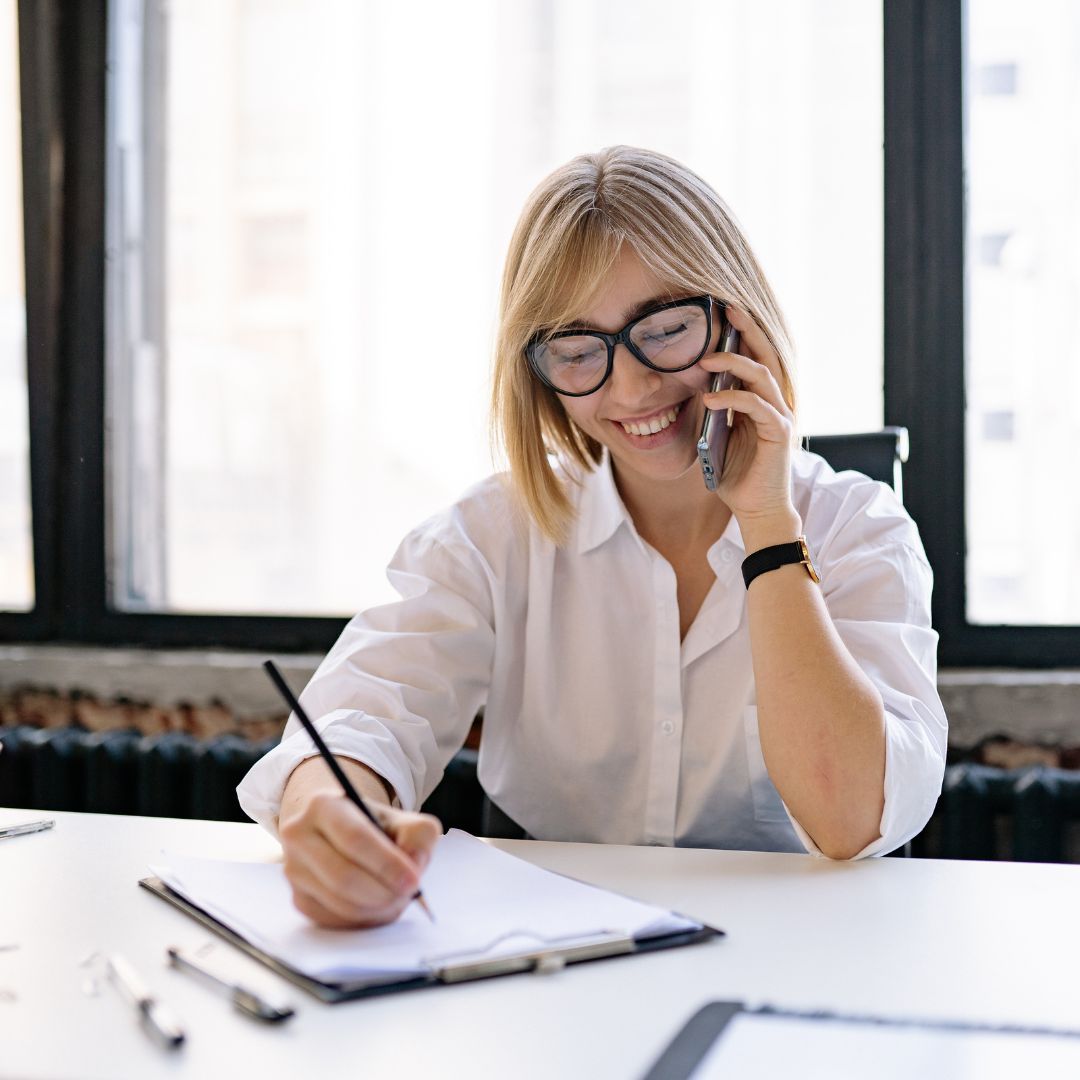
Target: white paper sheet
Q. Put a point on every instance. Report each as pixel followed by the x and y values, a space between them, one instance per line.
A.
pixel 765 1047
pixel 486 903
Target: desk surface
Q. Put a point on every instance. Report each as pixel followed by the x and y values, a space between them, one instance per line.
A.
pixel 991 942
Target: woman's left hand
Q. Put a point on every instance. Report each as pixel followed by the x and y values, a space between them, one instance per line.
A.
pixel 756 481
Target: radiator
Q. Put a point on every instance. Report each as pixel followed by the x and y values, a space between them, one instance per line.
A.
pixel 124 772
pixel 1028 815
pixel 168 775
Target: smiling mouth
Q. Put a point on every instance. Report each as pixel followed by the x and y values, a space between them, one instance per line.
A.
pixel 653 424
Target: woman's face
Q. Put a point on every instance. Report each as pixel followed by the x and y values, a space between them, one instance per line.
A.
pixel 635 398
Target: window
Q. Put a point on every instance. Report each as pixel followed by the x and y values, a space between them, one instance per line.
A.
pixel 253 398
pixel 980 210
pixel 309 205
pixel 16 558
pixel 1023 322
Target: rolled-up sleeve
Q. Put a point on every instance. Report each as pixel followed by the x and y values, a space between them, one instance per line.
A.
pixel 400 688
pixel 877 585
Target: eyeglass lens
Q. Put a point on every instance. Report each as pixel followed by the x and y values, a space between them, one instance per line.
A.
pixel 668 339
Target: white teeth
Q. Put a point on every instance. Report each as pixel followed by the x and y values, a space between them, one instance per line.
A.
pixel 651 427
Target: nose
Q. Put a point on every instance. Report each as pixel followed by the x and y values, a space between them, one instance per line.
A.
pixel 631 380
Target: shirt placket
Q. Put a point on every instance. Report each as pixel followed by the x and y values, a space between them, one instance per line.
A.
pixel 667 711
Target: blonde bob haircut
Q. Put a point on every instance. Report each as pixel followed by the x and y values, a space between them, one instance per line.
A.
pixel 563 248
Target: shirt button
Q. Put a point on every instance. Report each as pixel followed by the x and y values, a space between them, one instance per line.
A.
pixel 667 727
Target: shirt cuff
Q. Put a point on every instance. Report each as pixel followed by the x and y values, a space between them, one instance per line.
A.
pixel 346 733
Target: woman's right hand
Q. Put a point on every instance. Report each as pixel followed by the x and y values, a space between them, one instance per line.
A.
pixel 343 871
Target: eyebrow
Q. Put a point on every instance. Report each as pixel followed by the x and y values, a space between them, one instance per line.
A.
pixel 629 316
pixel 645 305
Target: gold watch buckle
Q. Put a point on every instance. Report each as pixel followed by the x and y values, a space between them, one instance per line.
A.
pixel 806 560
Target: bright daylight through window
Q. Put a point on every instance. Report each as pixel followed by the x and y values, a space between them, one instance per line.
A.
pixel 16 552
pixel 305 265
pixel 1023 329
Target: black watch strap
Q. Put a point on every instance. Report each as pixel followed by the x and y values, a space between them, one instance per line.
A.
pixel 772 558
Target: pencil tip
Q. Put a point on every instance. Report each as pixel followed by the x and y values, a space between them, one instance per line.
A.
pixel 423 903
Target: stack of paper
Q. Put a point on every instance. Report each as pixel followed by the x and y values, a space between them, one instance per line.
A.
pixel 486 904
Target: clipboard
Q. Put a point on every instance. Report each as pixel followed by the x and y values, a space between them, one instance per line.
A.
pixel 684 1053
pixel 687 1050
pixel 467 969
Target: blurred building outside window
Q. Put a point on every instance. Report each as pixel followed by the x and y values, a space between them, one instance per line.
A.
pixel 309 206
pixel 1022 163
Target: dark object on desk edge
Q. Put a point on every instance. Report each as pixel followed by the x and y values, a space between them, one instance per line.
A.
pixel 333 993
pixel 683 1054
pixel 681 1057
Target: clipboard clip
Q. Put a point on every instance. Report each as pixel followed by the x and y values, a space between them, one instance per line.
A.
pixel 544 961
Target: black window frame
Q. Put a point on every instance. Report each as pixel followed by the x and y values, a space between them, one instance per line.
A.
pixel 62 46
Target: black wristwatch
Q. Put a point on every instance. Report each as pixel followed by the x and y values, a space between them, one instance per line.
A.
pixel 772 558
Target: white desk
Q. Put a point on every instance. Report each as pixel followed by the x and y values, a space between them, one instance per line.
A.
pixel 977 941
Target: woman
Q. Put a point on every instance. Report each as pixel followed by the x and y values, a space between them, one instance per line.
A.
pixel 635 689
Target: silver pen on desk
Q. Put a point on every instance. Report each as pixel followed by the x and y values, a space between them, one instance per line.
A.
pixel 155 1017
pixel 25 827
pixel 246 1001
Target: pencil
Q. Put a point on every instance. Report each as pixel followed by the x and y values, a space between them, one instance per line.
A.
pixel 351 793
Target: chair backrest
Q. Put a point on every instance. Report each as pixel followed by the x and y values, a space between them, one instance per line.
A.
pixel 878 454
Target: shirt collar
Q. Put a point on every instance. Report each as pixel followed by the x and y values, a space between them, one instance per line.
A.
pixel 600 510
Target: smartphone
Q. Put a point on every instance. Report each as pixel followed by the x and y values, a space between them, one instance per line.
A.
pixel 716 430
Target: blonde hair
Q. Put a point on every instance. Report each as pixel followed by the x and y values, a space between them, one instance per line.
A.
pixel 564 246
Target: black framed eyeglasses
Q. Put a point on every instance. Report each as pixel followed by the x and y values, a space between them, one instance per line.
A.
pixel 669 337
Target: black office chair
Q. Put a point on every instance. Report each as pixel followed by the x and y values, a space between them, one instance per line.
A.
pixel 878 454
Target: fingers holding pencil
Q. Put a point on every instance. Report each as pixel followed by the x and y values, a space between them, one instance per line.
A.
pixel 344 871
pixel 397 876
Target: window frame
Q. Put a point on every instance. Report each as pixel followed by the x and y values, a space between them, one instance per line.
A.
pixel 63 46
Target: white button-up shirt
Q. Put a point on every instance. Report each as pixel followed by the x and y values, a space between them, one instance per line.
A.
pixel 600 724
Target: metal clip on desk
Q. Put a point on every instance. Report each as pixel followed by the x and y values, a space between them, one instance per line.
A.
pixel 246 1001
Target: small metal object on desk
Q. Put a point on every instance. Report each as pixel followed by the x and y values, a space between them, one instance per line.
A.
pixel 156 1018
pixel 246 1001
pixel 25 827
